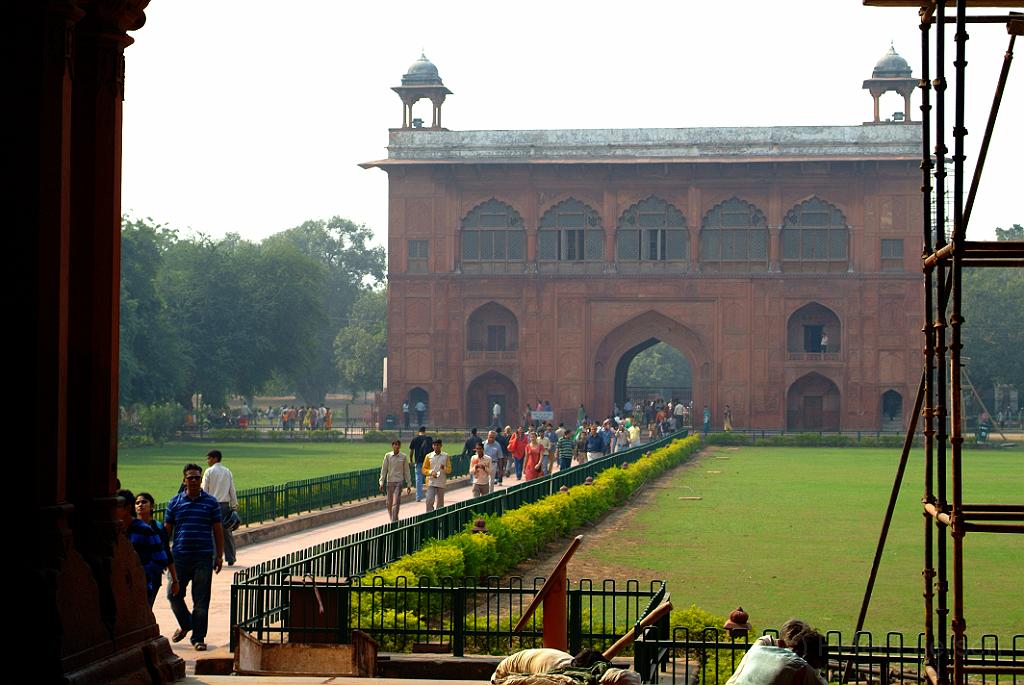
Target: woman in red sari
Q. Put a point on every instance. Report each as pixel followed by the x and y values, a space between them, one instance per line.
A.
pixel 534 452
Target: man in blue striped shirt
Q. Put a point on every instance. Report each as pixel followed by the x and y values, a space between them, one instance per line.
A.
pixel 193 522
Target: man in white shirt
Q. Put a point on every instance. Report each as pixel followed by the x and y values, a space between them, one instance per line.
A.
pixel 220 484
pixel 678 413
pixel 436 467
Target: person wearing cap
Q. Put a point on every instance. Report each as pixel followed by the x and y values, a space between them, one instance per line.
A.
pixel 436 467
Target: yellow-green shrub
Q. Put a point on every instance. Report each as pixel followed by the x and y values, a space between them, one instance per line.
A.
pixel 518 534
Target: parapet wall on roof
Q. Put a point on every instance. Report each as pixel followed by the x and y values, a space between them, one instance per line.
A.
pixel 740 144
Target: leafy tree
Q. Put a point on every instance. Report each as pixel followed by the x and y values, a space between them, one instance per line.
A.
pixel 209 287
pixel 350 267
pixel 1015 232
pixel 659 366
pixel 226 316
pixel 292 298
pixel 152 353
pixel 361 345
pixel 993 308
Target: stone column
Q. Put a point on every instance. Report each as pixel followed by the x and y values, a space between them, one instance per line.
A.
pixel 95 242
pixel 775 211
pixel 609 221
pixel 92 333
pixel 531 219
pixel 774 248
pixel 46 132
pixel 66 617
pixel 695 216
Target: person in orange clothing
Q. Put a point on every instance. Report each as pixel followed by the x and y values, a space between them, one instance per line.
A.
pixel 517 448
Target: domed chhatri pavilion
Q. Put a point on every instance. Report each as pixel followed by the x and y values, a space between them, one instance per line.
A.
pixel 782 262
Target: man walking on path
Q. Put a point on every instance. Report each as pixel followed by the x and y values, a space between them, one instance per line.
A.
pixel 436 467
pixel 419 448
pixel 480 466
pixel 393 472
pixel 494 450
pixel 565 447
pixel 469 449
pixel 218 481
pixel 193 521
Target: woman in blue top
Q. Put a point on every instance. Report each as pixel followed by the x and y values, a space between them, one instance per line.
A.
pixel 144 505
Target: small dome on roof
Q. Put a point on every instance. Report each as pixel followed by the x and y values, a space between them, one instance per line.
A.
pixel 422 73
pixel 891 66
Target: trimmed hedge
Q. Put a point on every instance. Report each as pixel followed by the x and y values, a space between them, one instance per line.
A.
pixel 518 534
pixel 453 438
pixel 510 539
pixel 866 439
pixel 808 440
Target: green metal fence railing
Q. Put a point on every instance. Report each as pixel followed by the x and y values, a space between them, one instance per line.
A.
pixel 257 505
pixel 257 589
pixel 461 616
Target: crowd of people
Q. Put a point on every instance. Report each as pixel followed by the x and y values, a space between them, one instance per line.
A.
pixel 535 448
pixel 285 417
pixel 303 419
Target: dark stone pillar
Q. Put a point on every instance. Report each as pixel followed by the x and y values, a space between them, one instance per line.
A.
pixel 92 620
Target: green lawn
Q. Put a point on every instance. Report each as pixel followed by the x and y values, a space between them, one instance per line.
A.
pixel 789 532
pixel 158 469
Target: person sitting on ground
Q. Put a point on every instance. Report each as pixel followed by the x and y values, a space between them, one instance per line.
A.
pixel 794 658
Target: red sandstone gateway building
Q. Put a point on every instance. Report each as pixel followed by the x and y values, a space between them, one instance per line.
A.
pixel 529 265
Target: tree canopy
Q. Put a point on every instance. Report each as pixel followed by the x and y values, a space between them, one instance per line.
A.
pixel 349 268
pixel 659 366
pixel 225 316
pixel 361 344
pixel 993 308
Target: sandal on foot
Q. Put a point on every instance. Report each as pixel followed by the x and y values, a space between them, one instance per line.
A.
pixel 179 635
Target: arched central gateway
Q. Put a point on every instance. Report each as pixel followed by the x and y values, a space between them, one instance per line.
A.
pixel 623 344
pixel 652 370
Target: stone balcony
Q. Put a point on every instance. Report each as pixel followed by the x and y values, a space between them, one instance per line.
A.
pixel 814 356
pixel 492 355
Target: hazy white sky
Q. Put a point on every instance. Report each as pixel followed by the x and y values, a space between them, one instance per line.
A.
pixel 252 116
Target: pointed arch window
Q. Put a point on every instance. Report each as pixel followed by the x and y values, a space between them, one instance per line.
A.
pixel 493 239
pixel 652 230
pixel 815 238
pixel 734 238
pixel 570 231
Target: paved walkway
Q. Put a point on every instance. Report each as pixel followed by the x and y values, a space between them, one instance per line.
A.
pixel 218 636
